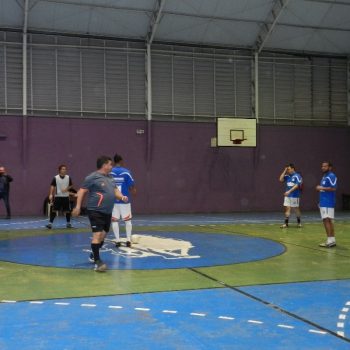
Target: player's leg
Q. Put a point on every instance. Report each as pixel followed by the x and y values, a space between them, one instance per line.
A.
pixel 327 218
pixel 296 208
pixel 287 207
pixel 67 210
pixel 56 207
pixel 115 223
pixel 100 224
pixel 7 205
pixel 126 217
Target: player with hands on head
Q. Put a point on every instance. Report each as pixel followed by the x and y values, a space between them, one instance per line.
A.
pixel 293 182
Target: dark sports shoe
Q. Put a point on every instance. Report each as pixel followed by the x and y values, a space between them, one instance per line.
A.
pixel 128 244
pixel 100 266
pixel 69 225
pixel 91 258
pixel 118 244
pixel 49 226
pixel 328 245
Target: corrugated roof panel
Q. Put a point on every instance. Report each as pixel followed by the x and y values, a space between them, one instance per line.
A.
pixel 198 30
pixel 11 14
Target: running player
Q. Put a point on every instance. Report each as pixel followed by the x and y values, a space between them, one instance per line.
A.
pixel 292 192
pixel 101 195
pixel 59 195
pixel 122 211
pixel 327 190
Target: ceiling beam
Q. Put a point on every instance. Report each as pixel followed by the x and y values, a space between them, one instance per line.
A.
pixel 330 2
pixel 155 19
pixel 270 23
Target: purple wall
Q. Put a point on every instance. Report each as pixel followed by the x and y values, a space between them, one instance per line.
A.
pixel 175 168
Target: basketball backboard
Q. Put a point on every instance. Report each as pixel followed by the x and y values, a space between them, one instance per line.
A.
pixel 236 132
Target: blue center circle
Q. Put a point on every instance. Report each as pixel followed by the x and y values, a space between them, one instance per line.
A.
pixel 150 250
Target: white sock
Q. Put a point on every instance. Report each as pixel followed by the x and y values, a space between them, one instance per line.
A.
pixel 128 228
pixel 331 240
pixel 115 227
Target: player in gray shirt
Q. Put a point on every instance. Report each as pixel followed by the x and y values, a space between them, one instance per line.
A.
pixel 101 195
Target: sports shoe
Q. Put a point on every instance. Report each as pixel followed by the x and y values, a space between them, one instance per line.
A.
pixel 284 226
pixel 299 226
pixel 100 266
pixel 49 226
pixel 118 244
pixel 128 244
pixel 327 245
pixel 69 225
pixel 91 258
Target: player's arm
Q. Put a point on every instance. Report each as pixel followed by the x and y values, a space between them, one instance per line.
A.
pixel 325 189
pixel 331 186
pixel 80 196
pixel 295 187
pixel 52 191
pixel 119 195
pixel 281 178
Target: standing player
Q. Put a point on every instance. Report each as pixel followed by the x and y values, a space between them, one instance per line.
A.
pixel 122 211
pixel 101 195
pixel 59 195
pixel 327 190
pixel 293 182
pixel 5 180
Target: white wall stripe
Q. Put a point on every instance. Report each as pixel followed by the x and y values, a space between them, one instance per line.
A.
pixel 88 305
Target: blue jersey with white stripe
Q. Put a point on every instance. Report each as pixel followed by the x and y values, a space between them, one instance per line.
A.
pixel 123 180
pixel 292 180
pixel 327 198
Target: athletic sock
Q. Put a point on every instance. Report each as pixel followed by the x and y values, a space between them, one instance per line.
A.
pixel 286 219
pixel 68 216
pixel 95 247
pixel 128 229
pixel 115 227
pixel 52 216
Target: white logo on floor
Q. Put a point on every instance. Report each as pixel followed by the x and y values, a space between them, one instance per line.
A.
pixel 144 246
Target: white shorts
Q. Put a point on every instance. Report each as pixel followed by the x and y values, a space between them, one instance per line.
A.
pixel 291 202
pixel 327 213
pixel 121 211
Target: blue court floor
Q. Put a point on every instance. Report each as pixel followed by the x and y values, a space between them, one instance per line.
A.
pixel 308 315
pixel 201 319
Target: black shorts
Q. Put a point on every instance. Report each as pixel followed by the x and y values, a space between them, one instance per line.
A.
pixel 61 204
pixel 99 221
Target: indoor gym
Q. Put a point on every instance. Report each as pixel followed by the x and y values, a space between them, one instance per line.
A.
pixel 157 81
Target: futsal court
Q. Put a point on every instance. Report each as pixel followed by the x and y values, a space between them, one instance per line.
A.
pixel 218 116
pixel 188 282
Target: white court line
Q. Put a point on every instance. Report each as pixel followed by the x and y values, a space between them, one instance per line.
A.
pixel 170 311
pixel 285 326
pixel 142 309
pixel 197 314
pixel 316 331
pixel 88 305
pixel 255 322
pixel 9 301
pixel 226 318
pixel 36 302
pixel 64 304
pixel 342 317
pixel 115 307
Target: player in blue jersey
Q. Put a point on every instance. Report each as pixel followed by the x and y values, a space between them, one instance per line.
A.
pixel 122 211
pixel 293 182
pixel 326 190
